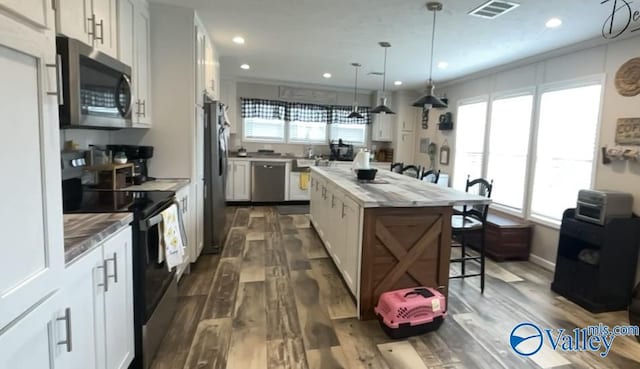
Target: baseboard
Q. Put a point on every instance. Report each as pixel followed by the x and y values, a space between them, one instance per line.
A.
pixel 544 263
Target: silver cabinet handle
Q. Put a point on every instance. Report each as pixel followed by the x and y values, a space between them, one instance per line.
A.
pixel 115 267
pixel 333 201
pixel 138 103
pixel 67 324
pixel 101 25
pixel 57 91
pixel 92 29
pixel 105 276
pixel 144 108
pixel 343 214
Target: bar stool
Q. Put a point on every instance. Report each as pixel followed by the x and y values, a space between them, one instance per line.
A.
pixel 412 171
pixel 397 167
pixel 430 176
pixel 471 221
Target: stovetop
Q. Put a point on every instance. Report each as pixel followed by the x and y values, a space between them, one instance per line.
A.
pixel 142 204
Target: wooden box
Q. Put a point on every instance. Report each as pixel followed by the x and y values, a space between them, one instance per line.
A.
pixel 505 238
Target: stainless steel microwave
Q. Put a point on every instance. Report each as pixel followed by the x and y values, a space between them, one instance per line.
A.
pixel 601 206
pixel 94 89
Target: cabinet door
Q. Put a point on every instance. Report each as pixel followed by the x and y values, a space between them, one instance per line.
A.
pixel 31 216
pixel 142 64
pixel 336 228
pixel 228 95
pixel 84 293
pixel 200 68
pixel 74 19
pixel 106 37
pixel 33 341
pixel 405 151
pixel 38 12
pixel 118 301
pixel 350 222
pixel 229 179
pixel 210 67
pixel 126 36
pixel 242 181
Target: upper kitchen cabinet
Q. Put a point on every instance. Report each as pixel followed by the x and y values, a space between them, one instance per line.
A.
pixel 31 214
pixel 383 125
pixel 134 45
pixel 212 70
pixel 90 21
pixel 229 96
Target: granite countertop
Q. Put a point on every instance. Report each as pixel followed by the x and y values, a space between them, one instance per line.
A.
pixel 82 232
pixel 397 191
pixel 160 184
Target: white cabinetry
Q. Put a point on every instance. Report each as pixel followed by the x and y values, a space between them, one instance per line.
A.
pixel 91 21
pixel 182 196
pixel 383 125
pixel 212 70
pixel 296 192
pixel 99 296
pixel 32 266
pixel 407 125
pixel 238 180
pixel 337 219
pixel 134 50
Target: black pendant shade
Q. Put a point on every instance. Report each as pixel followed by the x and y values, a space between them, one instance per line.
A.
pixel 429 100
pixel 383 108
pixel 354 111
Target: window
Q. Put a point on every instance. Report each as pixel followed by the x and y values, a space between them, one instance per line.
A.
pixel 307 132
pixel 567 130
pixel 261 129
pixel 509 129
pixel 469 153
pixel 349 133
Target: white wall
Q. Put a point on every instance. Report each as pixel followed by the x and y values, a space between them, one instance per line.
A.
pixel 259 90
pixel 624 176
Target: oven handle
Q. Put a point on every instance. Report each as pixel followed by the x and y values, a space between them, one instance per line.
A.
pixel 145 225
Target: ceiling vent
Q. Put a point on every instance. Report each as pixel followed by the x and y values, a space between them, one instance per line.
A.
pixel 493 9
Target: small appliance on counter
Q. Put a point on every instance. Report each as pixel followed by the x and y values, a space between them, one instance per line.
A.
pixel 242 152
pixel 362 166
pixel 410 312
pixel 138 156
pixel 599 207
pixel 341 151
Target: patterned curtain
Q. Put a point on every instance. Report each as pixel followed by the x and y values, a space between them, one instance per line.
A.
pixel 266 109
pixel 301 112
pixel 339 115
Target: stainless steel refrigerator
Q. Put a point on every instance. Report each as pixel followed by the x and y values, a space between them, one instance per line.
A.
pixel 215 176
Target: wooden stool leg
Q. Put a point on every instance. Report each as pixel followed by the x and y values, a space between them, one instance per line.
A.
pixel 482 247
pixel 463 243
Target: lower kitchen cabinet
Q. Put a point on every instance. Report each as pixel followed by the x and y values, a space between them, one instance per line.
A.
pixel 238 180
pixel 99 296
pixel 297 190
pixel 337 219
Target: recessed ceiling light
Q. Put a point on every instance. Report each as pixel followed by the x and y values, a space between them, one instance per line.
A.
pixel 245 66
pixel 398 83
pixel 554 23
pixel 443 65
pixel 327 75
pixel 238 40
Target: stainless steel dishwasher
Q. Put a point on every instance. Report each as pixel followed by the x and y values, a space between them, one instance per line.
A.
pixel 268 181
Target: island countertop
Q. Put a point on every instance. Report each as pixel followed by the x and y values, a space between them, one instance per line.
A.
pixel 395 190
pixel 83 232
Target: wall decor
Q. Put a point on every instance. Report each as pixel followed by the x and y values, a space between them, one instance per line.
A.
pixel 628 131
pixel 432 151
pixel 628 78
pixel 445 152
pixel 446 122
pixel 425 118
pixel 424 145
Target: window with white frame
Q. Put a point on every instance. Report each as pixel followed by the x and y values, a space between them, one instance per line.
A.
pixel 469 153
pixel 261 129
pixel 507 153
pixel 355 134
pixel 567 131
pixel 307 132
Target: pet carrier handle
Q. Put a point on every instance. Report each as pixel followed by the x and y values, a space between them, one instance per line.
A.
pixel 419 291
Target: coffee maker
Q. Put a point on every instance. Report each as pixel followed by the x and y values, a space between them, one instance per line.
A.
pixel 138 156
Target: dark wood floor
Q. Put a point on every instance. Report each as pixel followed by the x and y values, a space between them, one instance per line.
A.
pixel 273 299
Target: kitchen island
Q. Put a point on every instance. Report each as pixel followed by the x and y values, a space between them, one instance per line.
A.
pixel 385 235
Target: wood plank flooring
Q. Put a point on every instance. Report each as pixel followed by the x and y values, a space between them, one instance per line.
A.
pixel 274 300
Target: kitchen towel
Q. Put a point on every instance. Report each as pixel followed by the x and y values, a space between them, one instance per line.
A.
pixel 172 242
pixel 304 181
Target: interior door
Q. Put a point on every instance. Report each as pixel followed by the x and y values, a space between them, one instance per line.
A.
pixel 32 265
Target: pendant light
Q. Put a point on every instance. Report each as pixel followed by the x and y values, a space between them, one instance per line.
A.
pixel 354 111
pixel 429 100
pixel 383 108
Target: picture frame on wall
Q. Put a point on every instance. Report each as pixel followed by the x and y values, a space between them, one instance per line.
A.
pixel 445 153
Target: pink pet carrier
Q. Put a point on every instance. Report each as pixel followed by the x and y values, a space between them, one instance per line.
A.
pixel 410 312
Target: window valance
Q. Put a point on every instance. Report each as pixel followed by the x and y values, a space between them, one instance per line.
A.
pixel 265 109
pixel 302 112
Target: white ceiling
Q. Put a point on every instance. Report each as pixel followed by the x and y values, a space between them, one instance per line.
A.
pixel 298 40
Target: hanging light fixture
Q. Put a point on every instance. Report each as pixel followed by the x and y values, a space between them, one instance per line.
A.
pixel 383 108
pixel 354 111
pixel 429 100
